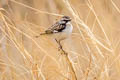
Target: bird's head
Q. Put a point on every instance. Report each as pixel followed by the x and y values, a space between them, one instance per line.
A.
pixel 66 18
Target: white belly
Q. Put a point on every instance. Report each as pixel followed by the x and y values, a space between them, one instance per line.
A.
pixel 65 33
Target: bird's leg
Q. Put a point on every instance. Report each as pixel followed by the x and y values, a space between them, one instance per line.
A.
pixel 60 46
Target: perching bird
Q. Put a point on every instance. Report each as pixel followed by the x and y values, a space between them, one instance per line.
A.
pixel 61 29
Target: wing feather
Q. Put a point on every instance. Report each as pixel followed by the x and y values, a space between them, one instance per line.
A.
pixel 57 27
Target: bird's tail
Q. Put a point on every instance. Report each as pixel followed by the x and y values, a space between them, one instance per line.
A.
pixel 40 34
pixel 43 33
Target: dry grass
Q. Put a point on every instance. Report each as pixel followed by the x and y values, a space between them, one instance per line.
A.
pixel 92 51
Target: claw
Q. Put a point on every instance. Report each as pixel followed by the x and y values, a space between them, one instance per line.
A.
pixel 59 48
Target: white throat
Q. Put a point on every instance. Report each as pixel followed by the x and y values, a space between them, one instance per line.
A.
pixel 69 27
pixel 66 32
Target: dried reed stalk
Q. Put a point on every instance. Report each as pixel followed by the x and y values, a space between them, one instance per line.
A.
pixel 65 55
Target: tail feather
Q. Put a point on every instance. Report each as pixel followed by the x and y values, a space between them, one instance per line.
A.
pixel 44 33
pixel 40 34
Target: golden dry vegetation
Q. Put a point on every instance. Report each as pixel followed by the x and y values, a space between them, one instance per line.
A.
pixel 93 49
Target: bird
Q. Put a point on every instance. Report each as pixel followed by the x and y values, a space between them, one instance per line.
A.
pixel 61 30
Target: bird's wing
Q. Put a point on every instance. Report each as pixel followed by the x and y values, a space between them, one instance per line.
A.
pixel 57 27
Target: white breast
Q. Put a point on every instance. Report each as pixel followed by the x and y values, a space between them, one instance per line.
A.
pixel 66 32
pixel 68 28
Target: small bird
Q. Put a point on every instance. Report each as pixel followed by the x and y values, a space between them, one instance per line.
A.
pixel 61 30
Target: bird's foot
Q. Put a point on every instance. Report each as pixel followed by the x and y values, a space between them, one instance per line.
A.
pixel 59 48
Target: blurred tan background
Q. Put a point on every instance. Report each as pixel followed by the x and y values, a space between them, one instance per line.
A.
pixel 93 49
